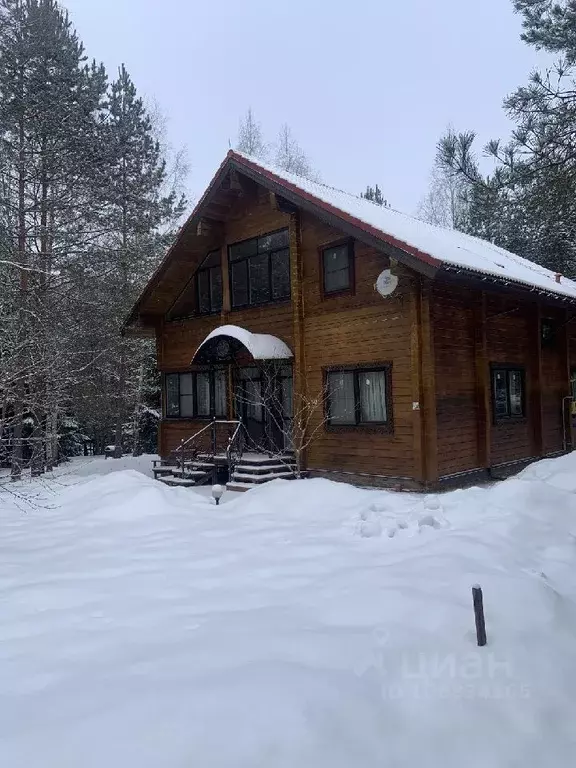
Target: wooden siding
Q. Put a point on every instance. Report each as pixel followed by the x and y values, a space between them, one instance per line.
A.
pixel 439 340
pixel 456 385
pixel 357 328
pixel 472 333
pixel 177 341
pixel 510 340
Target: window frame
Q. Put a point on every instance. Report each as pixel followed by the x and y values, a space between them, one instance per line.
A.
pixel 246 261
pixel 351 288
pixel 548 333
pixel 508 368
pixel 212 384
pixel 357 369
pixel 193 285
pixel 202 269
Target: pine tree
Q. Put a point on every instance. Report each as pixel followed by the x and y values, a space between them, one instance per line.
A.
pixel 526 204
pixel 550 24
pixel 135 208
pixel 49 99
pixel 374 194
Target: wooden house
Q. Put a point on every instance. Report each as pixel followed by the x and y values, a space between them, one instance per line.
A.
pixel 420 355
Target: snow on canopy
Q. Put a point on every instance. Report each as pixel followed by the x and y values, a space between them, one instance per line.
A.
pixel 447 247
pixel 262 346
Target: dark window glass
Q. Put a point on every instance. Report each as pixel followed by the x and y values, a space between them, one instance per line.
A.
pixel 273 242
pixel 358 396
pixel 186 395
pixel 515 387
pixel 220 396
pixel 203 393
pixel 253 391
pixel 209 282
pixel 337 268
pixel 508 392
pixel 244 249
pixel 239 284
pixel 212 260
pixel 500 394
pixel 342 409
pixel 260 269
pixel 172 395
pixel 281 274
pixel 196 394
pixel 547 333
pixel 204 302
pixel 216 289
pixel 259 279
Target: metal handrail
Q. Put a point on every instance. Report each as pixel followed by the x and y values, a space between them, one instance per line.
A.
pixel 211 425
pixel 231 441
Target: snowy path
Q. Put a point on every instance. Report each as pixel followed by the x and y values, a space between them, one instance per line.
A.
pixel 305 623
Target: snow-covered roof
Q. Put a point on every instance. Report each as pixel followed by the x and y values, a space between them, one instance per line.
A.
pixel 262 346
pixel 432 245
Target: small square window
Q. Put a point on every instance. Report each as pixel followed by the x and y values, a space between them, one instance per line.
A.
pixel 547 333
pixel 337 266
pixel 508 394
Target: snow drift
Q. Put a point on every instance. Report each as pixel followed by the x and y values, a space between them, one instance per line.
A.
pixel 304 623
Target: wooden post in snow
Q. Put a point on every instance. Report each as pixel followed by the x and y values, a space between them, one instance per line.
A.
pixel 479 614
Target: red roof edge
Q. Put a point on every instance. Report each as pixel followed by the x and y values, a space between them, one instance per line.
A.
pixel 368 228
pixel 240 160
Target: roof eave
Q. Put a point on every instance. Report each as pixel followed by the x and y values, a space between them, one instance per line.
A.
pixel 477 279
pixel 404 253
pixel 190 221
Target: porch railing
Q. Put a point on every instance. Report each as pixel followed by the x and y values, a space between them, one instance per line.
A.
pixel 235 447
pixel 191 447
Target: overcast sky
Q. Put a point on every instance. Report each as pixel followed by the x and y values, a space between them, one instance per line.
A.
pixel 366 85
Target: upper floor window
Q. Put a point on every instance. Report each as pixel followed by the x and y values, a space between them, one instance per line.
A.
pixel 358 396
pixel 260 269
pixel 547 333
pixel 508 392
pixel 209 284
pixel 337 267
pixel 196 394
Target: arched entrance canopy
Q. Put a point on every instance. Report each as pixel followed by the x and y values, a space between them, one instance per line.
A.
pixel 222 343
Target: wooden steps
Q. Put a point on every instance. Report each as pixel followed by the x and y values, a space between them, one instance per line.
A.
pixel 253 469
pixel 256 469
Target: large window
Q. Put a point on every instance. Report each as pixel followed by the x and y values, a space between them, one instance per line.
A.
pixel 199 394
pixel 209 284
pixel 260 269
pixel 337 267
pixel 358 396
pixel 508 392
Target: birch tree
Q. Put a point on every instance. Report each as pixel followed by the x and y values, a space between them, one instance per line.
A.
pixel 250 139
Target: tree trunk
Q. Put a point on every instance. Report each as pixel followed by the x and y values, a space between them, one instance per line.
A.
pixel 16 468
pixel 136 446
pixel 120 411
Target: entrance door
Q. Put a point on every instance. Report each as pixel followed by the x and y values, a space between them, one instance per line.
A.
pixel 263 400
pixel 248 399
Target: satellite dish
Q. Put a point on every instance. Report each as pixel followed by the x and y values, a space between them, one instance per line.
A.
pixel 386 283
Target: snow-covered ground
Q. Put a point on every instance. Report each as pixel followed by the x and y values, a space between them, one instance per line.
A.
pixel 305 623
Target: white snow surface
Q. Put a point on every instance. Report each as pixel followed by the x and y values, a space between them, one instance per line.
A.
pixel 305 623
pixel 262 346
pixel 447 245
